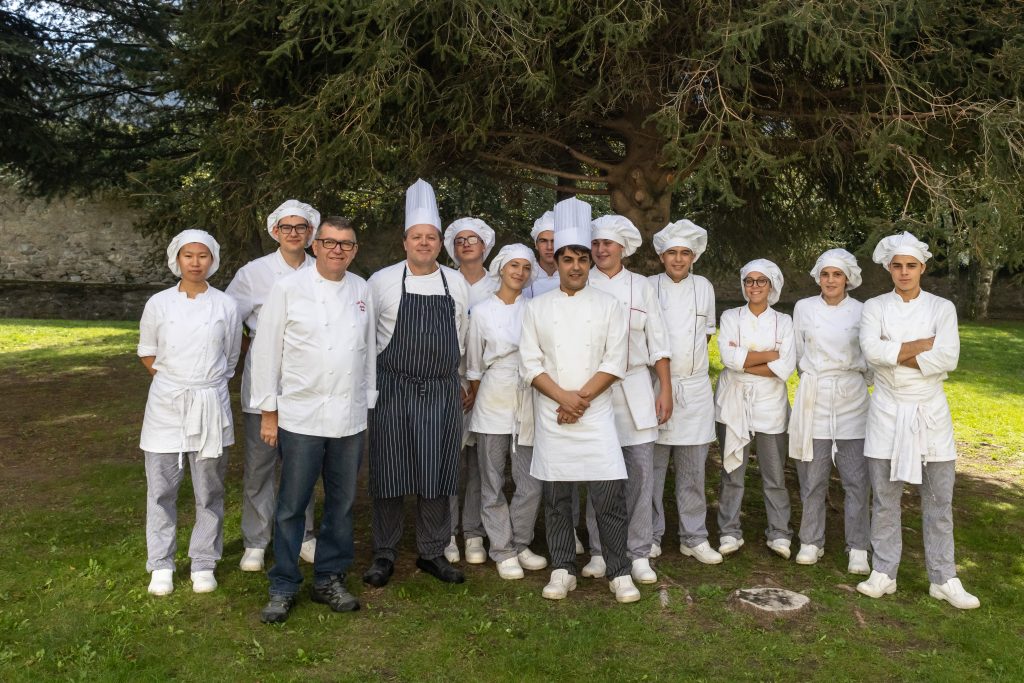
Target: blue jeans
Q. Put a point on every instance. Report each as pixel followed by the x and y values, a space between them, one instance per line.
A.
pixel 303 459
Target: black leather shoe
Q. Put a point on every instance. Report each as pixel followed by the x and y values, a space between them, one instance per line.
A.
pixel 276 611
pixel 441 569
pixel 333 593
pixel 379 572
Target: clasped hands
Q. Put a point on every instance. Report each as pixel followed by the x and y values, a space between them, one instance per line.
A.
pixel 572 405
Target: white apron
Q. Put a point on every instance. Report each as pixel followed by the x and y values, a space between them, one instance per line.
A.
pixel 586 451
pixel 693 413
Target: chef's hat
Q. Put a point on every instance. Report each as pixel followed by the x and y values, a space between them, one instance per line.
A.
pixel 618 229
pixel 421 205
pixel 188 237
pixel 682 233
pixel 844 261
pixel 572 224
pixel 513 251
pixel 903 244
pixel 771 271
pixel 294 207
pixel 545 222
pixel 474 225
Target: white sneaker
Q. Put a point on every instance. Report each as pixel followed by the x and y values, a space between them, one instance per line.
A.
pixel 475 553
pixel 307 552
pixel 531 560
pixel 703 553
pixel 953 592
pixel 877 585
pixel 642 571
pixel 727 545
pixel 624 589
pixel 579 543
pixel 809 554
pixel 858 562
pixel 560 584
pixel 162 582
pixel 203 582
pixel 596 568
pixel 780 546
pixel 509 569
pixel 451 551
pixel 252 560
pixel 655 551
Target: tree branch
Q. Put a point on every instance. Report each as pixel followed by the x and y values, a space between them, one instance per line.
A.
pixel 568 189
pixel 538 169
pixel 579 156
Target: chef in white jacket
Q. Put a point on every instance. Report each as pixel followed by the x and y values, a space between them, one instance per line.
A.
pixel 189 340
pixel 831 408
pixel 543 236
pixel 756 345
pixel 292 225
pixel 468 242
pixel 638 411
pixel 687 303
pixel 573 347
pixel 910 340
pixel 502 416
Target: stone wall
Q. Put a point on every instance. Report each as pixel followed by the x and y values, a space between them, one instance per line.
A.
pixel 75 240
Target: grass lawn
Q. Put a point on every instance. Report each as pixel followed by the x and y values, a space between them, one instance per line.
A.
pixel 73 601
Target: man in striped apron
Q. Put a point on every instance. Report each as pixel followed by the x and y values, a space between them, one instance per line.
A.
pixel 416 427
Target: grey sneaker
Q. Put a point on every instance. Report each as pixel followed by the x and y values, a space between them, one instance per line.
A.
pixel 333 593
pixel 277 609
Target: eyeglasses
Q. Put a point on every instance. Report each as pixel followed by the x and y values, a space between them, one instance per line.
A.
pixel 760 282
pixel 329 244
pixel 467 241
pixel 300 229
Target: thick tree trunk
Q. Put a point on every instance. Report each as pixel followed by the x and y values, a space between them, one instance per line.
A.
pixel 641 191
pixel 975 289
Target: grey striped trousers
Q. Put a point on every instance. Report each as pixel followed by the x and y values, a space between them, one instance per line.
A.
pixel 609 501
pixel 639 460
pixel 772 450
pixel 814 476
pixel 163 479
pixel 691 501
pixel 509 525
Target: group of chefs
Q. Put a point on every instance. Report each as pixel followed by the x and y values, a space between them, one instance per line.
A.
pixel 564 367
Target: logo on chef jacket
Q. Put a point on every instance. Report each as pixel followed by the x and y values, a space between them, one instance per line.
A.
pixel 362 306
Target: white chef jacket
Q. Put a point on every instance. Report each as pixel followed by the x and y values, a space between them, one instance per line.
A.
pixel 482 289
pixel 504 405
pixel 386 291
pixel 747 403
pixel 908 416
pixel 571 338
pixel 543 283
pixel 688 309
pixel 636 420
pixel 832 397
pixel 315 358
pixel 196 344
pixel 249 288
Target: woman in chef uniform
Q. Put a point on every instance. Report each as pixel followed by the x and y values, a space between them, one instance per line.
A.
pixel 688 306
pixel 830 410
pixel 502 417
pixel 189 339
pixel 756 345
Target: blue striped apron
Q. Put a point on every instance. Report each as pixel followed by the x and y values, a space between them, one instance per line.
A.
pixel 416 426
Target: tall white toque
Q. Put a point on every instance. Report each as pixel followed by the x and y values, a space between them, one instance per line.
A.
pixel 421 205
pixel 572 223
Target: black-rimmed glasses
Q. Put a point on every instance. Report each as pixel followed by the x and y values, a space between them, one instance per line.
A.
pixel 329 244
pixel 300 229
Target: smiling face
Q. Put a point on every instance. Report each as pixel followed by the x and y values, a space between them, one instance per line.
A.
pixel 757 286
pixel 422 244
pixel 906 274
pixel 832 281
pixel 573 268
pixel 546 249
pixel 677 262
pixel 195 261
pixel 469 254
pixel 515 274
pixel 333 263
pixel 293 233
pixel 607 255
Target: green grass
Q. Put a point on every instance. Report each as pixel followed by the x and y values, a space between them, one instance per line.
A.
pixel 73 602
